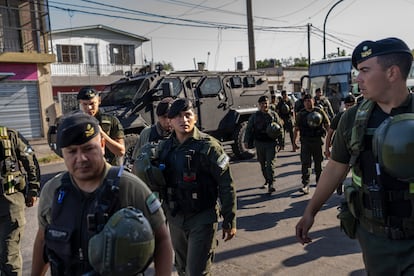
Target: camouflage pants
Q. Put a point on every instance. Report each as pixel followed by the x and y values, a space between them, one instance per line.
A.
pixel 11 233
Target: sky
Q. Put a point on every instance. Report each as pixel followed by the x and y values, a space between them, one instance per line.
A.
pixel 184 32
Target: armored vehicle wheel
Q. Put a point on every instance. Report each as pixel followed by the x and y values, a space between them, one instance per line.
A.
pixel 238 147
pixel 130 141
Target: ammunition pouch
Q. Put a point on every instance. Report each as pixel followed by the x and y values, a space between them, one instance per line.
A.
pixel 12 182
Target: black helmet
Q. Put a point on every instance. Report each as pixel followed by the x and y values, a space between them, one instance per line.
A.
pixel 273 130
pixel 393 146
pixel 284 108
pixel 125 246
pixel 314 119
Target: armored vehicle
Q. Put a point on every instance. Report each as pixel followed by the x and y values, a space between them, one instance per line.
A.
pixel 223 102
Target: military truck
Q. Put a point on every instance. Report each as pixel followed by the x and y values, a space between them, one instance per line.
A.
pixel 223 102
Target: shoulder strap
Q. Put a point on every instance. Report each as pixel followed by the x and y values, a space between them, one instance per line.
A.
pixel 153 137
pixel 360 128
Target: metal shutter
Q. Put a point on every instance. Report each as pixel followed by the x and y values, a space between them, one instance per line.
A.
pixel 19 108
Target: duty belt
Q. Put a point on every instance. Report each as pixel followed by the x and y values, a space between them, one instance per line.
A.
pixel 389 232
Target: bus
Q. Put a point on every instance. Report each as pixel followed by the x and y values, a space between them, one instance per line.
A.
pixel 335 76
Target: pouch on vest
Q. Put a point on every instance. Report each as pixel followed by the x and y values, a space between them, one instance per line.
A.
pixel 59 240
pixel 347 220
pixel 148 168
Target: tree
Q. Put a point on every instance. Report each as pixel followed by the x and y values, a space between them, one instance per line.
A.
pixel 268 63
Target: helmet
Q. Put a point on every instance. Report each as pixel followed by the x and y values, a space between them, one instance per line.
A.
pixel 273 130
pixel 147 167
pixel 125 246
pixel 393 146
pixel 314 119
pixel 284 108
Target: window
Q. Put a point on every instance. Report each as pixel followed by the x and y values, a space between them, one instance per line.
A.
pixel 122 54
pixel 210 87
pixel 69 53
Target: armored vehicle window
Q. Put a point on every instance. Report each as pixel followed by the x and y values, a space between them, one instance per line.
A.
pixel 236 82
pixel 121 94
pixel 210 86
pixel 177 85
pixel 249 81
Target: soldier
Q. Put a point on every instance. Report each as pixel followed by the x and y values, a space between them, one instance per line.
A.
pixel 75 205
pixel 375 139
pixel 273 103
pixel 299 104
pixel 159 131
pixel 285 110
pixel 265 128
pixel 312 123
pixel 197 175
pixel 112 130
pixel 16 192
pixel 322 102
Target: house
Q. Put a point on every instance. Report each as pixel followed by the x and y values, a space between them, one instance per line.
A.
pixel 92 56
pixel 286 78
pixel 25 89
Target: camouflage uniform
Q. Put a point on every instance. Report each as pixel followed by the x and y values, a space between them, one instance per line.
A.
pixel 12 201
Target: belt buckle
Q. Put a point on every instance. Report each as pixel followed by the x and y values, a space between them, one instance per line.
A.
pixel 394 233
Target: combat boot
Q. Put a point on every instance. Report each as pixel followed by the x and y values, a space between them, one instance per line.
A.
pixel 271 189
pixel 305 189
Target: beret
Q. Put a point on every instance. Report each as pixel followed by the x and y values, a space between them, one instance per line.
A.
pixel 307 96
pixel 368 49
pixel 263 99
pixel 87 93
pixel 179 105
pixel 76 128
pixel 349 99
pixel 164 106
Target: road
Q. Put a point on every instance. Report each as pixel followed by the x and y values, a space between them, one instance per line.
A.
pixel 265 243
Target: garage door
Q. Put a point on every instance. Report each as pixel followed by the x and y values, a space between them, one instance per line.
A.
pixel 19 108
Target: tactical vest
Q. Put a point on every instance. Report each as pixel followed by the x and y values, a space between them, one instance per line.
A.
pixel 12 179
pixel 75 218
pixel 382 211
pixel 262 120
pixel 308 131
pixel 190 188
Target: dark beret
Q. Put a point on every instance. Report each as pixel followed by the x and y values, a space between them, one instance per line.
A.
pixel 179 105
pixel 76 129
pixel 307 96
pixel 164 106
pixel 349 99
pixel 368 49
pixel 263 99
pixel 87 93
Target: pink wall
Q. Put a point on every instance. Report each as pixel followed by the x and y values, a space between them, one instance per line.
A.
pixel 23 71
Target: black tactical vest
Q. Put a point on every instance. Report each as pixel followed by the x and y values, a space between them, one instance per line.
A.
pixel 305 129
pixel 76 217
pixel 190 186
pixel 262 120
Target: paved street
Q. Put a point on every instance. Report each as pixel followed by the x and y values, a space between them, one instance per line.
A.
pixel 265 242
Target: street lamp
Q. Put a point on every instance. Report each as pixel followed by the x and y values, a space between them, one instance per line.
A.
pixel 324 27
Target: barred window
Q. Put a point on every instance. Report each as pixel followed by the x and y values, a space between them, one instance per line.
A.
pixel 69 53
pixel 122 54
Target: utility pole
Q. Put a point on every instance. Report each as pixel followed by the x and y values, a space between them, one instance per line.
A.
pixel 250 33
pixel 324 28
pixel 309 52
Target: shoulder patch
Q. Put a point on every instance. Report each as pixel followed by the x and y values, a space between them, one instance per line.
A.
pixel 223 160
pixel 153 204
